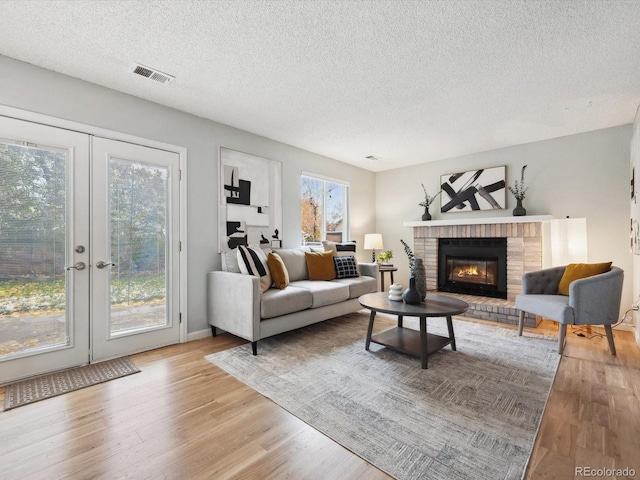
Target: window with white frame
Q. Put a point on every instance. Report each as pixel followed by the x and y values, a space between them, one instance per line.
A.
pixel 324 208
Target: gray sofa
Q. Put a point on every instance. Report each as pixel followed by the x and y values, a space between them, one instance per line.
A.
pixel 235 305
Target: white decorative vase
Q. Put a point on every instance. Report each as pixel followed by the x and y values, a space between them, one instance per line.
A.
pixel 395 292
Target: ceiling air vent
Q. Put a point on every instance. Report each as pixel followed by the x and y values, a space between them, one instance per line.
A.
pixel 156 75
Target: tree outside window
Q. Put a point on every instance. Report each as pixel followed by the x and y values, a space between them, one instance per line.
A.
pixel 324 210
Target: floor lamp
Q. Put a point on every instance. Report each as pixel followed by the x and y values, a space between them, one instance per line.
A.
pixel 568 241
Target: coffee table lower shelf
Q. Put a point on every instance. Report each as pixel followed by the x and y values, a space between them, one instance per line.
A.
pixel 408 341
pixel 419 343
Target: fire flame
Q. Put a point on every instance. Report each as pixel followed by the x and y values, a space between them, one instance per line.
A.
pixel 468 271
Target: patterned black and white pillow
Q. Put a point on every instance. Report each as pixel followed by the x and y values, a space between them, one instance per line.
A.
pixel 253 261
pixel 346 249
pixel 346 267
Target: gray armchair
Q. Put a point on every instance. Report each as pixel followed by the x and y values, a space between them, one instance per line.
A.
pixel 592 301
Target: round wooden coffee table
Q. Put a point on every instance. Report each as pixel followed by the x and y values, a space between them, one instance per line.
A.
pixel 408 341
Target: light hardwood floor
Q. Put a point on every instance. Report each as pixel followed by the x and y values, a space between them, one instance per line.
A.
pixel 182 417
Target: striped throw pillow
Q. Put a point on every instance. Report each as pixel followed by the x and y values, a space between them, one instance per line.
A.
pixel 253 261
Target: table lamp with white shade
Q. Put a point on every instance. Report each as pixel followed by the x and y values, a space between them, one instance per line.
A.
pixel 373 242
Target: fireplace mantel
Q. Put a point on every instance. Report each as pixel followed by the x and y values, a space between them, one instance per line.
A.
pixel 479 221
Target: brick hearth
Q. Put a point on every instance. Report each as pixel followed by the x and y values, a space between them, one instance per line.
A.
pixel 524 254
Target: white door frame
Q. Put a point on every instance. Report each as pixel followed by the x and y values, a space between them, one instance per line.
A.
pixel 102 132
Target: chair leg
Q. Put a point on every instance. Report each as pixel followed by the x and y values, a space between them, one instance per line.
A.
pixel 562 333
pixel 520 323
pixel 609 332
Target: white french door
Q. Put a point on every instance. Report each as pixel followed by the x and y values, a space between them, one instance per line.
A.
pixel 44 249
pixel 135 248
pixel 89 250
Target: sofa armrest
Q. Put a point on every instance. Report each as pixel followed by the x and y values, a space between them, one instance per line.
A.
pixel 596 299
pixel 542 282
pixel 233 303
pixel 368 269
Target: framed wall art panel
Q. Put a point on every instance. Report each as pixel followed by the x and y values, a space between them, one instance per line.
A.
pixel 250 199
pixel 482 189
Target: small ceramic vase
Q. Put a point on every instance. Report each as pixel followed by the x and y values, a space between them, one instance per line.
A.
pixel 519 211
pixel 395 292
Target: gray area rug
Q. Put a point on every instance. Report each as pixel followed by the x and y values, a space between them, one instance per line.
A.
pixel 53 384
pixel 473 413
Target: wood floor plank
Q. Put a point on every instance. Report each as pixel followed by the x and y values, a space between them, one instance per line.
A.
pixel 590 420
pixel 183 417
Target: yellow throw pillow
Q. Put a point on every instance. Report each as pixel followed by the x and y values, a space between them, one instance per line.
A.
pixel 576 271
pixel 320 265
pixel 279 273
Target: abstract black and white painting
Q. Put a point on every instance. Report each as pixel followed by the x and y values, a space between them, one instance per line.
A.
pixel 250 200
pixel 482 189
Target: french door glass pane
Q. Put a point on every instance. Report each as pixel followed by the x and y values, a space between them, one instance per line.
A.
pixel 138 196
pixel 33 239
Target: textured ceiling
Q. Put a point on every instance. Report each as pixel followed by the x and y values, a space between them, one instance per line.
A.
pixel 406 81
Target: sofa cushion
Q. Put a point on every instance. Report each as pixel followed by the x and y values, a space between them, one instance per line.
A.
pixel 320 265
pixel 324 293
pixel 253 261
pixel 576 271
pixel 295 262
pixel 275 302
pixel 278 270
pixel 230 261
pixel 359 286
pixel 312 248
pixel 554 307
pixel 346 267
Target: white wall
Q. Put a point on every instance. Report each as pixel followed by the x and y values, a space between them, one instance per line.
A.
pixel 636 288
pixel 584 175
pixel 32 88
pixel 580 175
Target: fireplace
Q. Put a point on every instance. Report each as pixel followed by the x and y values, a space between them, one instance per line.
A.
pixel 474 266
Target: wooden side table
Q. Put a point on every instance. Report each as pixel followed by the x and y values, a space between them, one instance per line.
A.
pixel 384 269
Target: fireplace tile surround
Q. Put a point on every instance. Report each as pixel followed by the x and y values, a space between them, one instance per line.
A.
pixel 524 254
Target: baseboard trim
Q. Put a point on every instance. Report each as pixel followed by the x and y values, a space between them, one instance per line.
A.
pixel 198 335
pixel 626 327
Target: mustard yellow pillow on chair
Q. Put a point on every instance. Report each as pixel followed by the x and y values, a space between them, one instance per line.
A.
pixel 576 271
pixel 320 265
pixel 279 273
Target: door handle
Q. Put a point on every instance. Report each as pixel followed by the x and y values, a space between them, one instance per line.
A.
pixel 78 266
pixel 102 264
